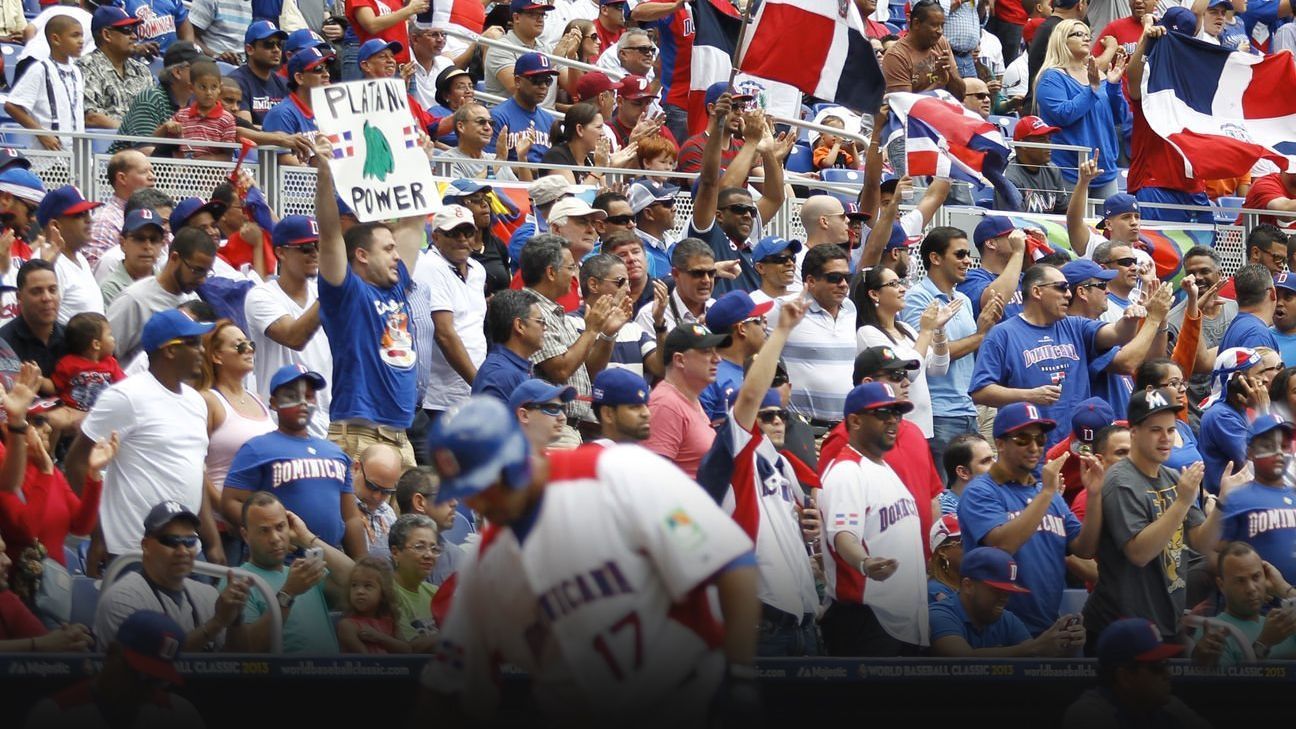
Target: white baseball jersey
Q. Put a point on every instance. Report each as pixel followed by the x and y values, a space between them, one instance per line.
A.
pixel 599 595
pixel 867 500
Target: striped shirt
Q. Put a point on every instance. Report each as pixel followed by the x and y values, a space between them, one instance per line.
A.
pixel 560 334
pixel 105 230
pixel 820 359
pixel 221 24
pixel 632 346
pixel 147 112
pixel 216 125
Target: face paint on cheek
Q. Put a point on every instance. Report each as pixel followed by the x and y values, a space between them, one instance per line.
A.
pixel 297 411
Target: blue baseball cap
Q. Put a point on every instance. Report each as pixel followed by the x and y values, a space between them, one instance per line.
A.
pixel 22 183
pixel 374 46
pixel 294 230
pixel 992 566
pixel 619 386
pixel 463 188
pixel 1123 202
pixel 1217 3
pixel 141 218
pixel 772 245
pixel 170 324
pixel 519 6
pixel 1091 416
pixel 66 200
pixel 10 157
pixel 534 391
pixel 304 38
pixel 191 206
pixel 1133 640
pixel 111 16
pixel 306 59
pixel 1083 269
pixel 343 207
pixel 874 395
pixel 477 445
pixel 773 399
pixel 991 227
pixel 1285 280
pixel 899 238
pixel 259 30
pixel 1266 423
pixel 1180 20
pixel 150 644
pixel 290 373
pixel 1018 415
pixel 714 91
pixel 533 64
pixel 732 308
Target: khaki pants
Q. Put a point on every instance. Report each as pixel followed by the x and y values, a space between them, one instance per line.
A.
pixel 353 438
pixel 985 422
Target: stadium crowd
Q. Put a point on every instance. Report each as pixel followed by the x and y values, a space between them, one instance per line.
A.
pixel 905 439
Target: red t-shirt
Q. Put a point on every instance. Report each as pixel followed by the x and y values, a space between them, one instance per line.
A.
pixel 681 431
pixel 51 512
pixel 1265 190
pixel 79 380
pixel 1155 163
pixel 16 620
pixel 606 38
pixel 911 460
pixel 690 155
pixel 1127 32
pixel 1011 11
pixel 570 301
pixel 238 252
pixel 396 32
pixel 874 29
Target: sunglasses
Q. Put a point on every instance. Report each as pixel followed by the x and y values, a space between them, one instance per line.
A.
pixel 541 79
pixel 462 232
pixel 740 209
pixel 552 409
pixel 701 272
pixel 768 416
pixel 977 95
pixel 1095 285
pixel 1061 287
pixel 885 413
pixel 836 278
pixel 668 204
pixel 618 282
pixel 1125 262
pixel 646 50
pixel 175 541
pixel 778 260
pixel 620 219
pixel 245 346
pixel 1025 439
pixel 962 253
pixel 309 249
pixel 893 375
pixel 373 486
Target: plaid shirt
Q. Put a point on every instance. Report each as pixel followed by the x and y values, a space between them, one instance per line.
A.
pixel 110 93
pixel 560 334
pixel 962 27
pixel 105 230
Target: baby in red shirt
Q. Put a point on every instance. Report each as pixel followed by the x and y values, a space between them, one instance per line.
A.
pixel 89 367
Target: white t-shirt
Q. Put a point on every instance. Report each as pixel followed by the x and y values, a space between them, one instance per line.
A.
pixel 919 395
pixel 867 500
pixel 266 304
pixel 163 453
pixel 466 299
pixel 1015 81
pixel 78 290
pixel 54 94
pixel 38 47
pixel 132 309
pixel 424 86
pixel 563 13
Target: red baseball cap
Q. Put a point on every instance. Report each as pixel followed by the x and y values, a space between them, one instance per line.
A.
pixel 592 84
pixel 1031 126
pixel 634 88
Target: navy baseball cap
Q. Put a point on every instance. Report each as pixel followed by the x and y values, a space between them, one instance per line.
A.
pixel 1083 269
pixel 170 324
pixel 1123 202
pixel 141 218
pixel 619 386
pixel 991 227
pixel 10 157
pixel 260 30
pixel 533 64
pixel 1018 415
pixel 343 208
pixel 295 230
pixel 306 59
pixel 191 206
pixel 374 46
pixel 773 399
pixel 1180 20
pixel 290 373
pixel 1266 423
pixel 476 445
pixel 772 245
pixel 889 182
pixel 165 513
pixel 692 336
pixel 111 16
pixel 150 644
pixel 1144 404
pixel 304 38
pixel 1285 280
pixel 872 396
pixel 899 238
pixel 880 359
pixel 534 391
pixel 644 193
pixel 853 212
pixel 714 91
pixel 734 308
pixel 518 6
pixel 992 566
pixel 66 200
pixel 1091 416
pixel 1133 640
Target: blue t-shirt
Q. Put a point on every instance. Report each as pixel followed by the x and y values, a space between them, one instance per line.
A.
pixel 1220 439
pixel 949 502
pixel 1264 517
pixel 1286 345
pixel 938 591
pixel 259 96
pixel 500 373
pixel 531 227
pixel 1019 354
pixel 719 396
pixel 947 618
pixel 949 392
pixel 374 373
pixel 436 111
pixel 1113 387
pixel 535 124
pixel 309 475
pixel 1247 330
pixel 290 117
pixel 1041 561
pixel 726 250
pixel 158 20
pixel 978 279
pixel 1185 454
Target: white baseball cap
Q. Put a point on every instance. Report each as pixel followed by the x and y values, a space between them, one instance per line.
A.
pixel 450 217
pixel 573 207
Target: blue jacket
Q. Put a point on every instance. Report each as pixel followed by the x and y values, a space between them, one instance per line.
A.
pixel 1085 118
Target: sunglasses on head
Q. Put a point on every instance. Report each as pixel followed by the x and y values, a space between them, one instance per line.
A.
pixel 768 416
pixel 173 541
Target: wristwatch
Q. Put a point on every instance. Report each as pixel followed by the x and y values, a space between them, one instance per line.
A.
pixel 285 600
pixel 1260 649
pixel 605 338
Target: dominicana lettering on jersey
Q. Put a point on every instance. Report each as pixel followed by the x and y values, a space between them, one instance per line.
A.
pixel 1051 523
pixel 293 469
pixel 1259 522
pixel 1050 352
pixel 570 593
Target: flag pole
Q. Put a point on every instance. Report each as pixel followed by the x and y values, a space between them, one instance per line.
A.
pixel 742 35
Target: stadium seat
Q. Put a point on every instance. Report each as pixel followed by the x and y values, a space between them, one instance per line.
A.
pixel 801 159
pixel 1122 179
pixel 155 66
pixel 854 177
pixel 1006 124
pixel 1227 214
pixel 31 8
pixel 895 28
pixel 13 140
pixel 85 597
pixel 10 52
pixel 984 197
pixel 72 559
pixel 458 534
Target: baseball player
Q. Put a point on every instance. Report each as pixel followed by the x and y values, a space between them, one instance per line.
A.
pixel 873 540
pixel 613 625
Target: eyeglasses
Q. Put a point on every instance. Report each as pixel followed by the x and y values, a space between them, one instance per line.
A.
pixel 476 200
pixel 1176 384
pixel 779 260
pixel 373 486
pixel 1125 262
pixel 436 34
pixel 885 413
pixel 836 278
pixel 195 270
pixel 620 219
pixel 245 346
pixel 977 95
pixel 618 282
pixel 1095 285
pixel 741 209
pixel 1061 287
pixel 536 319
pixel 646 50
pixel 175 541
pixel 309 249
pixel 1025 439
pixel 768 416
pixel 552 409
pixel 701 272
pixel 962 253
pixel 894 283
pixel 1078 34
pixel 424 548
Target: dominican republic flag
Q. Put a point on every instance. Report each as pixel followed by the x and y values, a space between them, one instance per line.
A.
pixel 410 135
pixel 715 35
pixel 945 139
pixel 818 46
pixel 465 15
pixel 342 145
pixel 1221 110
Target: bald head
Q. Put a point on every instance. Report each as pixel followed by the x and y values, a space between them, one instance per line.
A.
pixel 380 465
pixel 824 220
pixel 976 96
pixel 129 171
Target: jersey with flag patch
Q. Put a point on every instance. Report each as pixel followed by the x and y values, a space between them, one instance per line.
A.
pixel 598 594
pixel 867 500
